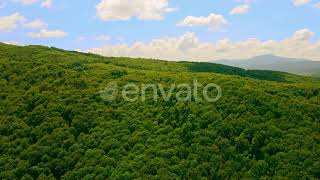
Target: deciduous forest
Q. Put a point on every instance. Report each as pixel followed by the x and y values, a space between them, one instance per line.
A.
pixel 54 124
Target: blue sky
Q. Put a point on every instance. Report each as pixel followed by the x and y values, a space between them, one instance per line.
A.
pixel 75 24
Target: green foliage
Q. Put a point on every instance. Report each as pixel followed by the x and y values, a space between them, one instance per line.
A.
pixel 223 69
pixel 54 124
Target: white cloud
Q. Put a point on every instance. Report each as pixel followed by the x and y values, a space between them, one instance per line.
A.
pixel 78 50
pixel 8 23
pixel 11 42
pixel 44 3
pixel 112 10
pixel 189 47
pixel 242 9
pixel 303 35
pixel 25 2
pixel 48 34
pixel 47 3
pixel 317 5
pixel 245 1
pixel 36 24
pixel 301 2
pixel 213 21
pixel 102 38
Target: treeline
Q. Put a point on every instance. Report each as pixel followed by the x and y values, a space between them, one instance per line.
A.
pixel 223 69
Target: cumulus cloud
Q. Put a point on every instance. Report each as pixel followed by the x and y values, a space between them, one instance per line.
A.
pixel 242 9
pixel 245 1
pixel 303 35
pixel 36 24
pixel 78 50
pixel 9 23
pixel 189 47
pixel 48 34
pixel 11 42
pixel 213 21
pixel 47 3
pixel 25 2
pixel 301 2
pixel 44 3
pixel 113 10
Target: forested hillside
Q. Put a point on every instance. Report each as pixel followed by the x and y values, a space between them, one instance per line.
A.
pixel 54 124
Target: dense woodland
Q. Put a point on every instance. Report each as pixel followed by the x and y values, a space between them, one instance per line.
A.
pixel 55 125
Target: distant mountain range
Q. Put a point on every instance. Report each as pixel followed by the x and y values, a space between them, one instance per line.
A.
pixel 276 63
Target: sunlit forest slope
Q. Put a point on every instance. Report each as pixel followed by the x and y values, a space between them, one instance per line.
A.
pixel 54 123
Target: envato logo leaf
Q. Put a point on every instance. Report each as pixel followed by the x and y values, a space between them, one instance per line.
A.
pixel 110 92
